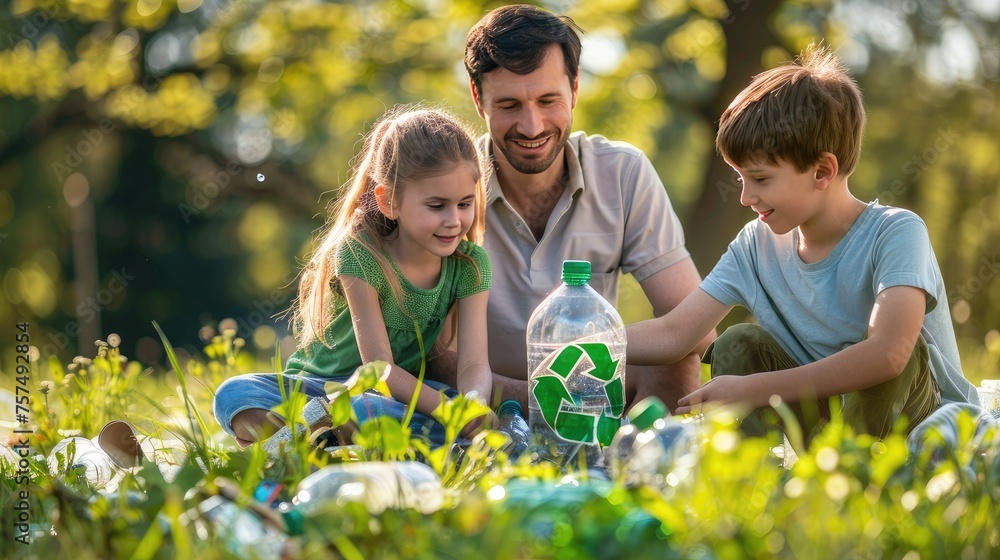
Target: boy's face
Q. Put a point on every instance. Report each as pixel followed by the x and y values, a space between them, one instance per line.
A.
pixel 783 197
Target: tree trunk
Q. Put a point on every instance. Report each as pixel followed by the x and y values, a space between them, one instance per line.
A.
pixel 717 215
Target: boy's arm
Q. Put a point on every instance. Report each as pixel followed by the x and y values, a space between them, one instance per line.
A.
pixel 893 328
pixel 667 288
pixel 373 343
pixel 668 338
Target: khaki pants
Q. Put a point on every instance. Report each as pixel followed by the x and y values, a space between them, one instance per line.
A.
pixel 746 348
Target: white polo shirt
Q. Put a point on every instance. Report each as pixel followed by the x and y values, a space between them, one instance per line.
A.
pixel 614 213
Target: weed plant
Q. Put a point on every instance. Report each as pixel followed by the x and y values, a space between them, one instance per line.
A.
pixel 847 496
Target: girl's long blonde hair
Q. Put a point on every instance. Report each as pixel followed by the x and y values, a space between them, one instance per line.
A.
pixel 407 143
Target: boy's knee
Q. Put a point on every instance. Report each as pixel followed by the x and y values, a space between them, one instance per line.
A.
pixel 741 336
pixel 746 348
pixel 730 347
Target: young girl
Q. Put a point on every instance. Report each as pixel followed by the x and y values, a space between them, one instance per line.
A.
pixel 398 255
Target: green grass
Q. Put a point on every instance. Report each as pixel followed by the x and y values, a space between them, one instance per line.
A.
pixel 846 497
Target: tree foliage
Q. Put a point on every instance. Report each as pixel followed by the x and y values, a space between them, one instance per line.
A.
pixel 169 160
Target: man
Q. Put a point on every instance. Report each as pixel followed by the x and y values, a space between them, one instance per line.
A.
pixel 555 196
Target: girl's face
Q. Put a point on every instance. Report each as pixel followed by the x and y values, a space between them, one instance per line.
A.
pixel 434 213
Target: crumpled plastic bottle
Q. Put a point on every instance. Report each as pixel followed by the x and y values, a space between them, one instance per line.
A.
pixel 243 532
pixel 513 424
pixel 655 449
pixel 87 459
pixel 376 484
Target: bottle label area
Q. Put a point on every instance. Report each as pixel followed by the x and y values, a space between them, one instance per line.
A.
pixel 580 392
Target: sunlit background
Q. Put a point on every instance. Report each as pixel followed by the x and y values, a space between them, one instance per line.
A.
pixel 170 161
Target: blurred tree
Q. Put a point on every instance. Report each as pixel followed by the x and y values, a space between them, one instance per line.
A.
pixel 170 160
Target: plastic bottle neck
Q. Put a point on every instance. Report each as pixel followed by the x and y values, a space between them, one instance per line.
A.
pixel 510 407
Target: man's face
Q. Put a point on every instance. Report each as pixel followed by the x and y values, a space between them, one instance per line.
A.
pixel 529 117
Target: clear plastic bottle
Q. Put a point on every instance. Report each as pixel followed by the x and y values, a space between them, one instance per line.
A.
pixel 378 485
pixel 242 531
pixel 513 424
pixel 656 449
pixel 87 459
pixel 576 367
pixel 989 396
pixel 315 413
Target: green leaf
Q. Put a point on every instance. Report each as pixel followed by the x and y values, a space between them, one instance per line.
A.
pixel 369 376
pixel 341 410
pixel 386 435
pixel 455 413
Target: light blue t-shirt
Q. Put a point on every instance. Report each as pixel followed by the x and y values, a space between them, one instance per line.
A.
pixel 815 310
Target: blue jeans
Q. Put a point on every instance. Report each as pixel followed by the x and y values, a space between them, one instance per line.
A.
pixel 260 390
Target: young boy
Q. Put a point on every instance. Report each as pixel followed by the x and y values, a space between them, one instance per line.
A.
pixel 848 296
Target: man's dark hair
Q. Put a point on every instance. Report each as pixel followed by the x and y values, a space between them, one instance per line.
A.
pixel 514 38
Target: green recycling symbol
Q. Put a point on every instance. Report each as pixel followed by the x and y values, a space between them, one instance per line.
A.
pixel 551 393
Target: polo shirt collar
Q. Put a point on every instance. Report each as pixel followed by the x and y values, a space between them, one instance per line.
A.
pixel 571 151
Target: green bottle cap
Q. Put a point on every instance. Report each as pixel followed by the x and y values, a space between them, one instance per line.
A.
pixel 510 406
pixel 293 522
pixel 647 411
pixel 576 273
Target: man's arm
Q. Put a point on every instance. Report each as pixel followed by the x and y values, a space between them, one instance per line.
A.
pixel 893 328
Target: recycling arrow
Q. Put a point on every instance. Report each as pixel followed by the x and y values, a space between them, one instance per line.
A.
pixel 552 395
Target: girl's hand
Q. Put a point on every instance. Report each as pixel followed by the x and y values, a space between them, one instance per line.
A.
pixel 722 390
pixel 489 421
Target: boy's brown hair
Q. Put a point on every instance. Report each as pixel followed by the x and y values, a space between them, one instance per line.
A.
pixel 794 113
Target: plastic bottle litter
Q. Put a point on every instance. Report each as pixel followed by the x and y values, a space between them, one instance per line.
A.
pixel 938 437
pixel 86 458
pixel 315 413
pixel 513 424
pixel 576 366
pixel 118 440
pixel 244 533
pixel 378 485
pixel 656 449
pixel 539 510
pixel 989 396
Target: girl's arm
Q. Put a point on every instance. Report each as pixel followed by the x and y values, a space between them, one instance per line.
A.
pixel 373 342
pixel 668 338
pixel 474 373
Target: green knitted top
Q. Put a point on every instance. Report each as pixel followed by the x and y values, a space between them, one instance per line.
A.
pixel 425 309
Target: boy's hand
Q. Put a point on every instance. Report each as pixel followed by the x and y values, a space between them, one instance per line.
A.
pixel 722 390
